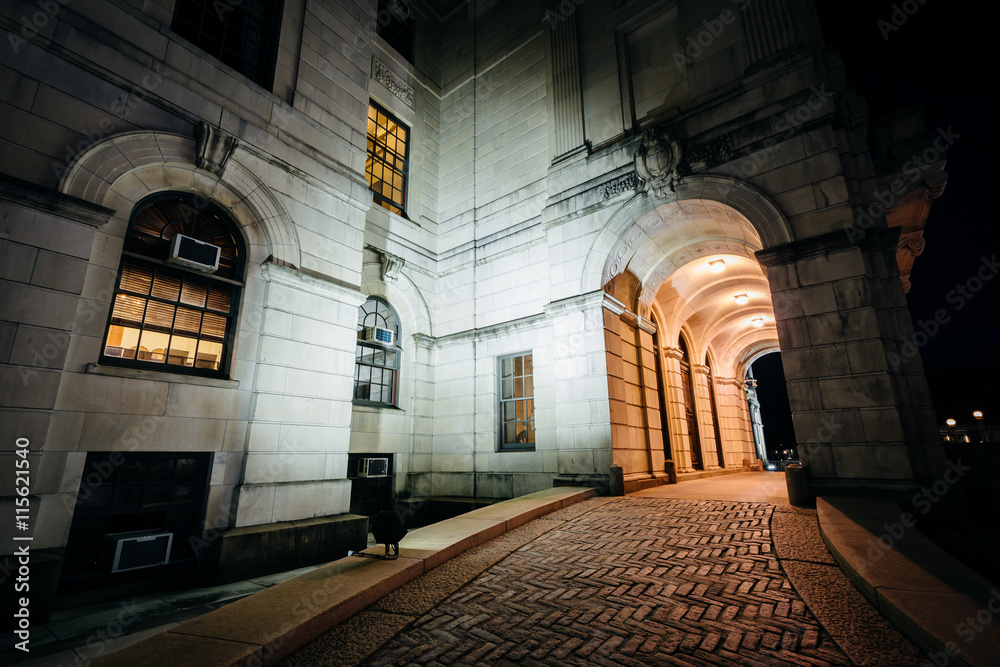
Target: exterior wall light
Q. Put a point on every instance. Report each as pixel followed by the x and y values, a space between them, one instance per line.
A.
pixel 757 321
pixel 717 266
pixel 742 299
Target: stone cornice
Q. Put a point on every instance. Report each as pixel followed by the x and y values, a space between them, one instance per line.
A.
pixel 311 284
pixel 619 309
pixel 29 195
pixel 825 244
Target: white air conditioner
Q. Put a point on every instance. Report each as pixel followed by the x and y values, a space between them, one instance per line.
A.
pixel 194 254
pixel 139 549
pixel 380 336
pixel 373 467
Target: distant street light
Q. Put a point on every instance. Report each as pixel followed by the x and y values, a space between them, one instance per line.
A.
pixel 951 426
pixel 978 414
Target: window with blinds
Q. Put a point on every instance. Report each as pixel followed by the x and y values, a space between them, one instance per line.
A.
pixel 166 317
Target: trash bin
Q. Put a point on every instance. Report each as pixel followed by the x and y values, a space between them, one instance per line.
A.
pixel 797 484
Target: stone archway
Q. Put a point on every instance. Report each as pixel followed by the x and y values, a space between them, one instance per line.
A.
pixel 831 302
pixel 689 259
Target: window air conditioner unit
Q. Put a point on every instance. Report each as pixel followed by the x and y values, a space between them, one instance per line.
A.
pixel 139 549
pixel 194 254
pixel 373 467
pixel 379 335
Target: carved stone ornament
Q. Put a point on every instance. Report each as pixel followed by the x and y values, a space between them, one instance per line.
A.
pixel 391 266
pixel 213 148
pixel 912 246
pixel 656 162
pixel 388 80
pixel 620 185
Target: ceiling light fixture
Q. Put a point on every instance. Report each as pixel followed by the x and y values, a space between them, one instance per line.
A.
pixel 757 321
pixel 717 265
pixel 742 299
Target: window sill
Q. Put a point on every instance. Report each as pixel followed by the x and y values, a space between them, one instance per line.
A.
pixel 524 448
pixel 365 406
pixel 161 376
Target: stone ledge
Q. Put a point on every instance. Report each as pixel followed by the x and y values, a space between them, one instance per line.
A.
pixel 251 551
pixel 913 583
pixel 267 626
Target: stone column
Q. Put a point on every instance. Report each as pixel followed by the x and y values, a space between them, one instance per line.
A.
pixel 651 399
pixel 299 427
pixel 565 92
pixel 768 27
pixel 735 432
pixel 701 376
pixel 676 420
pixel 860 406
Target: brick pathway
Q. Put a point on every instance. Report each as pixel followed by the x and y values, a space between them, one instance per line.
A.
pixel 632 581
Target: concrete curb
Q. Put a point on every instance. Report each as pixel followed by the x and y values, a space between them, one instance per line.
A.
pixel 267 626
pixel 939 604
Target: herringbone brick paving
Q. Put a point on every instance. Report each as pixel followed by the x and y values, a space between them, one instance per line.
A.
pixel 633 581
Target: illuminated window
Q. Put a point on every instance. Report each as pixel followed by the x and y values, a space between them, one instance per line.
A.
pixel 241 33
pixel 167 315
pixel 376 359
pixel 517 402
pixel 385 167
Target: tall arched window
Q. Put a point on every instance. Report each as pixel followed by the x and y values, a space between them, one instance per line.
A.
pixel 178 288
pixel 376 360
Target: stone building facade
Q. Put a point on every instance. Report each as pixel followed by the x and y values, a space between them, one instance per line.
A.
pixel 465 249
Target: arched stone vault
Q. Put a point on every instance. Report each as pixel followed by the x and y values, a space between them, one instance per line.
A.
pixel 637 220
pixel 667 247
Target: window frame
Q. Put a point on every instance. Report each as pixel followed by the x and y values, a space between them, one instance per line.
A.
pixel 371 157
pixel 528 445
pixel 397 349
pixel 398 33
pixel 225 13
pixel 156 266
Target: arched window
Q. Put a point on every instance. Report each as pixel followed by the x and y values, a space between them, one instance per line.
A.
pixel 178 288
pixel 376 360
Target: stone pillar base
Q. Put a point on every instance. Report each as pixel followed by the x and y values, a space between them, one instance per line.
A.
pixel 252 551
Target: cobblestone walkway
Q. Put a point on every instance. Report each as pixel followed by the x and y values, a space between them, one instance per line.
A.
pixel 631 581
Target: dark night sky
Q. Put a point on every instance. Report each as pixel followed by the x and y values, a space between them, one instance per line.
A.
pixel 944 55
